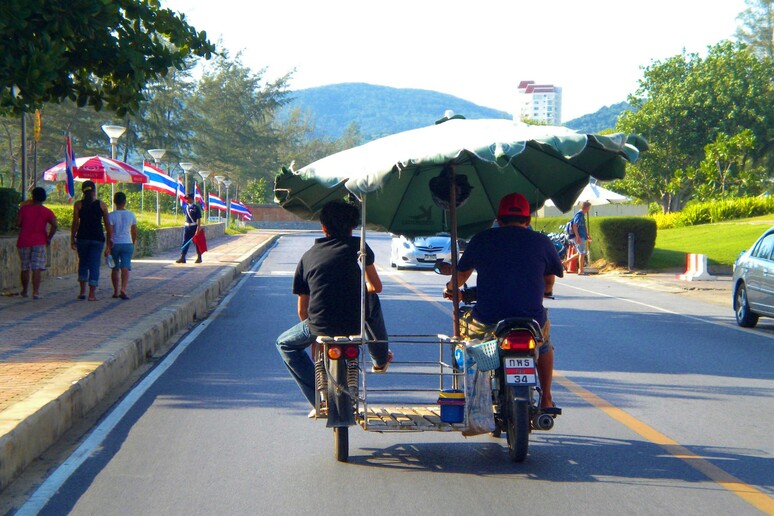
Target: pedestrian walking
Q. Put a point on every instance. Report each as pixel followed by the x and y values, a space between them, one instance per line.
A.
pixel 90 215
pixel 192 225
pixel 33 220
pixel 123 226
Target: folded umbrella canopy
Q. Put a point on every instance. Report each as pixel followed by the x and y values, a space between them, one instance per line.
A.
pixel 495 157
pixel 98 169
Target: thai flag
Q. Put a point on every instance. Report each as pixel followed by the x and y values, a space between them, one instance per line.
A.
pixel 240 209
pixel 181 191
pixel 216 203
pixel 198 196
pixel 158 181
pixel 70 169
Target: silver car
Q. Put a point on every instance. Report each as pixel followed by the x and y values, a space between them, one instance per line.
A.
pixel 753 282
pixel 420 252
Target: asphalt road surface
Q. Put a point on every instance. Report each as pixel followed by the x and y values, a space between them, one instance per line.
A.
pixel 667 410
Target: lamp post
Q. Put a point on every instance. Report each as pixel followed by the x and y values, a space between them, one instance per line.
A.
pixel 219 180
pixel 186 166
pixel 113 132
pixel 227 182
pixel 205 174
pixel 156 154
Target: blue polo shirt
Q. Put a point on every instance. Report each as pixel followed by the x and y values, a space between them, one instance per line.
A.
pixel 511 262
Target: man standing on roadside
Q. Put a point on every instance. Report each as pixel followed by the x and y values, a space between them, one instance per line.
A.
pixel 193 224
pixel 33 219
pixel 580 236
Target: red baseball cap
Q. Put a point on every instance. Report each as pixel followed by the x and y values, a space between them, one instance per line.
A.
pixel 514 204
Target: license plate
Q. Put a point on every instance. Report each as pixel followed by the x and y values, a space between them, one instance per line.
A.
pixel 520 371
pixel 429 258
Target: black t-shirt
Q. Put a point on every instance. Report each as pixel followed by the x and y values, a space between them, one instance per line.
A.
pixel 329 273
pixel 511 263
pixel 90 223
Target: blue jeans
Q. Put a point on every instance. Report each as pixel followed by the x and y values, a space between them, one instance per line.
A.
pixel 293 342
pixel 89 260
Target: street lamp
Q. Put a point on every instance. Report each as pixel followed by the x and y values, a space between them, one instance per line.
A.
pixel 156 154
pixel 114 132
pixel 205 174
pixel 227 182
pixel 186 166
pixel 219 180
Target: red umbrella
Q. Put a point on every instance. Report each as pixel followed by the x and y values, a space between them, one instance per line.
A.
pixel 98 169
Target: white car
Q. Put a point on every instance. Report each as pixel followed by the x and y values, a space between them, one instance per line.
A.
pixel 420 252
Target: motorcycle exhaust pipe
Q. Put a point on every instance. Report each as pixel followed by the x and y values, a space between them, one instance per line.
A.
pixel 543 422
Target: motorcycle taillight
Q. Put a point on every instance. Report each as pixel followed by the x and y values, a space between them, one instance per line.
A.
pixel 334 352
pixel 518 341
pixel 351 351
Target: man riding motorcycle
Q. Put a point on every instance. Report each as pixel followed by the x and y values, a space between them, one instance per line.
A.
pixel 516 269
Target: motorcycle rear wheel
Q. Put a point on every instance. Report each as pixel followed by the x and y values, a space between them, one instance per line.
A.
pixel 341 443
pixel 518 424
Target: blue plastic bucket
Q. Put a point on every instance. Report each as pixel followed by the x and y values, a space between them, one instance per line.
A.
pixel 452 404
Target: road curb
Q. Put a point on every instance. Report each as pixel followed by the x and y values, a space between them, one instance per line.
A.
pixel 44 417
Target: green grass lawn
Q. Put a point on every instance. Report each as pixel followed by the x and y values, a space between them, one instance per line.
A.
pixel 721 242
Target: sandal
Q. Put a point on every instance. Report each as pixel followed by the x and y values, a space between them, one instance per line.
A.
pixel 82 297
pixel 124 296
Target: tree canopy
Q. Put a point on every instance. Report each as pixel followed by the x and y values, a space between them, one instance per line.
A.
pixel 685 103
pixel 93 52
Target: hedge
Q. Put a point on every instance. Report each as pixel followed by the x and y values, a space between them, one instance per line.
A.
pixel 9 208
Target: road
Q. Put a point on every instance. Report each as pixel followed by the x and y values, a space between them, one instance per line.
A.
pixel 667 406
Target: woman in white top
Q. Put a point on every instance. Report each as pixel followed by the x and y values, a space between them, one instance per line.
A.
pixel 124 226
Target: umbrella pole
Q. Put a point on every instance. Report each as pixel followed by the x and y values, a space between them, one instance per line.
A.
pixel 362 259
pixel 453 224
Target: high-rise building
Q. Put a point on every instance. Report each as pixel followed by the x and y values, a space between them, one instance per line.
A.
pixel 539 102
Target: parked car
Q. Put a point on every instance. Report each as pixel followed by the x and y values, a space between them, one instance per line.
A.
pixel 420 252
pixel 753 282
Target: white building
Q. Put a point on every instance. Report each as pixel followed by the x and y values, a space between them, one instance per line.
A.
pixel 539 102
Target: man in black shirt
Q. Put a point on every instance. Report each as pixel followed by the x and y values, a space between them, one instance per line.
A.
pixel 327 283
pixel 193 224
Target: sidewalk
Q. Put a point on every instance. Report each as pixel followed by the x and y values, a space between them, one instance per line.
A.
pixel 60 356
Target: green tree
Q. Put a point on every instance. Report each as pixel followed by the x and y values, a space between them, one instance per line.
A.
pixel 684 103
pixel 231 116
pixel 95 52
pixel 723 173
pixel 757 27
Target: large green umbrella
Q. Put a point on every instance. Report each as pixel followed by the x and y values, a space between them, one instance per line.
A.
pixel 403 180
pixel 496 157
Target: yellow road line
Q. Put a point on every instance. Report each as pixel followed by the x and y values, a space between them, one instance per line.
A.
pixel 746 492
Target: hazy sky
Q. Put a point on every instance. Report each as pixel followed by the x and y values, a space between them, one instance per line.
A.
pixel 477 50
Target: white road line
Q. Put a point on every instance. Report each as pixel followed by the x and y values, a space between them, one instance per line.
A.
pixel 53 483
pixel 671 312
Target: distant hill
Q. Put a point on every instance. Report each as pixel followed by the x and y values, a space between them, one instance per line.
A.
pixel 381 110
pixel 605 118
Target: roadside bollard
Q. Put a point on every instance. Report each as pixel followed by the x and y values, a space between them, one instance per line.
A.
pixel 631 252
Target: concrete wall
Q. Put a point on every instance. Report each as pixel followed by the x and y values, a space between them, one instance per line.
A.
pixel 64 260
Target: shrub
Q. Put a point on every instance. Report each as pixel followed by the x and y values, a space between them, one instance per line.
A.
pixel 9 208
pixel 715 211
pixel 611 239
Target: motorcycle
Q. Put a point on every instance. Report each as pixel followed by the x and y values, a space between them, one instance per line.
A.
pixel 510 359
pixel 337 370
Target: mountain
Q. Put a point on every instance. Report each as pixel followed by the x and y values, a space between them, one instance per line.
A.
pixel 604 118
pixel 381 110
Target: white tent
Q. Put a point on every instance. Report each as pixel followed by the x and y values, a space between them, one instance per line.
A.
pixel 597 196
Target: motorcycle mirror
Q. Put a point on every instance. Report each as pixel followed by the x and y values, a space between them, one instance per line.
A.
pixel 442 268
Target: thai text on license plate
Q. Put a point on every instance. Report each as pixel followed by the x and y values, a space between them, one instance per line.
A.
pixel 520 371
pixel 429 258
